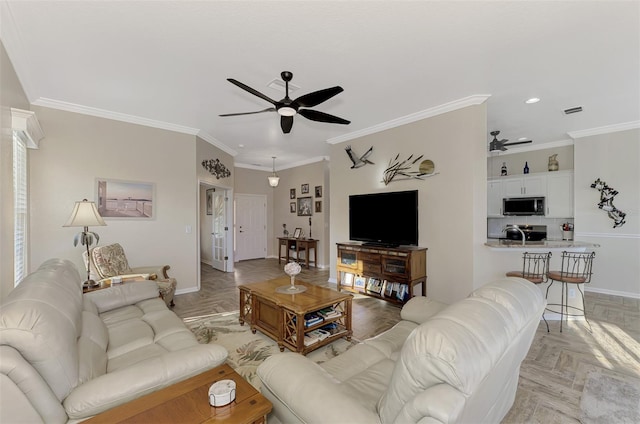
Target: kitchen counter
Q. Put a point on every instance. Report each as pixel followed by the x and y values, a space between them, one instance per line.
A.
pixel 540 245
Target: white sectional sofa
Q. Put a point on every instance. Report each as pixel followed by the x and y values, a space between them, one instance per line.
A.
pixel 65 356
pixel 440 364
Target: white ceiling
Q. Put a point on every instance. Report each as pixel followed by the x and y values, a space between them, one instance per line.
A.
pixel 166 63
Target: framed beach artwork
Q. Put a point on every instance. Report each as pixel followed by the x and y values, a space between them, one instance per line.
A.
pixel 117 199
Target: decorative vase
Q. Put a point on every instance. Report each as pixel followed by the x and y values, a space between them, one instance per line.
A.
pixel 553 163
pixel 292 269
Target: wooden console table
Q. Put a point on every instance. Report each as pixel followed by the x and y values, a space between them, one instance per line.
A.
pixel 188 402
pixel 388 273
pixel 298 245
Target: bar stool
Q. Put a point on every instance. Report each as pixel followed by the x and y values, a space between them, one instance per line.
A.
pixel 576 269
pixel 535 267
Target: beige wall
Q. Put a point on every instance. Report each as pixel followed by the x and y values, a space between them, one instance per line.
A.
pixel 78 149
pixel 11 95
pixel 452 204
pixel 613 158
pixel 314 174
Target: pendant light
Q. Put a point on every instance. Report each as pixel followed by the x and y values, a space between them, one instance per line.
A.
pixel 274 179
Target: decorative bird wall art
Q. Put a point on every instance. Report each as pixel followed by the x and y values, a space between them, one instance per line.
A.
pixel 606 202
pixel 398 168
pixel 359 161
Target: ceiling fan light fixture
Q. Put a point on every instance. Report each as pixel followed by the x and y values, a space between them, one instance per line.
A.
pixel 273 178
pixel 287 111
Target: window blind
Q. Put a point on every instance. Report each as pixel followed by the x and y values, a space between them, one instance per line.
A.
pixel 19 208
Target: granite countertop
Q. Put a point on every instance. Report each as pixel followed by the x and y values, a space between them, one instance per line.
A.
pixel 545 244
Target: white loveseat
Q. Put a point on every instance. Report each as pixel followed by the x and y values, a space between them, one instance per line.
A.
pixel 65 356
pixel 440 364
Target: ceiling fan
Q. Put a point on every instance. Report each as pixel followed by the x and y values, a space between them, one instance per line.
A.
pixel 287 108
pixel 499 145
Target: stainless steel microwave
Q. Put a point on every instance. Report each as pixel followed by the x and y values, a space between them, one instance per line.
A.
pixel 523 206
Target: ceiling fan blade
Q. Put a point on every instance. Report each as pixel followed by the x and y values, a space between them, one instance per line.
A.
pixel 270 109
pixel 251 90
pixel 286 122
pixel 317 97
pixel 518 142
pixel 314 115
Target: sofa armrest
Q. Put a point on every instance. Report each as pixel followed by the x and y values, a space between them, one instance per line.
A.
pixel 419 309
pixel 309 392
pixel 441 403
pixel 123 295
pixel 160 270
pixel 123 385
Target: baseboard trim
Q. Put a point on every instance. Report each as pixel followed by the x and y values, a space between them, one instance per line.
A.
pixel 613 292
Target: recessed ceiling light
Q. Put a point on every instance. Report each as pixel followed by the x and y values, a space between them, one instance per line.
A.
pixel 532 100
pixel 241 146
pixel 523 139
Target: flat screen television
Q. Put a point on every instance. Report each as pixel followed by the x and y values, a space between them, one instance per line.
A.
pixel 385 219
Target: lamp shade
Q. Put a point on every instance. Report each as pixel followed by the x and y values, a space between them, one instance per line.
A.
pixel 273 180
pixel 85 214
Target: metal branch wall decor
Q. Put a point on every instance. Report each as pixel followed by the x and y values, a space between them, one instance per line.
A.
pixel 217 168
pixel 359 161
pixel 606 202
pixel 398 168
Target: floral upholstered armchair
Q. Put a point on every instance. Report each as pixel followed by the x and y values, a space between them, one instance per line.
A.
pixel 110 261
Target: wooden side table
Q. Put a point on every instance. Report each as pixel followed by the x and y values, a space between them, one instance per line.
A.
pixel 188 402
pixel 298 244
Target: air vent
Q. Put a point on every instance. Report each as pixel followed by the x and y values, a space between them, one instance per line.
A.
pixel 278 84
pixel 573 110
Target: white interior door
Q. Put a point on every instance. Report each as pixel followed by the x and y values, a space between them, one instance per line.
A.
pixel 219 231
pixel 250 226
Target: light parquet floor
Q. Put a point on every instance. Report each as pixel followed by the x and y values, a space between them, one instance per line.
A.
pixel 552 376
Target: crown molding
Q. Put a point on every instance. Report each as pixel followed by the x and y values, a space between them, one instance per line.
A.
pixel 288 166
pixel 26 124
pixel 217 143
pixel 417 116
pixel 604 130
pixel 116 116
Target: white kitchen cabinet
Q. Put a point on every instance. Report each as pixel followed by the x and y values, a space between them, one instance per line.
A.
pixel 494 198
pixel 524 186
pixel 559 201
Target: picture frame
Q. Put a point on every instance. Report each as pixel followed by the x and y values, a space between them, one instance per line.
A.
pixel 292 207
pixel 360 282
pixel 292 193
pixel 318 191
pixel 297 232
pixel 209 198
pixel 304 188
pixel 348 280
pixel 304 206
pixel 123 200
pixel 318 206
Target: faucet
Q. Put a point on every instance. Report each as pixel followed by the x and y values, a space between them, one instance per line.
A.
pixel 514 226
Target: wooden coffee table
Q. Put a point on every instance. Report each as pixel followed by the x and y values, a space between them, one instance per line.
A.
pixel 281 316
pixel 188 402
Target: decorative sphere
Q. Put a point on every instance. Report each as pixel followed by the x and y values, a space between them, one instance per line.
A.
pixel 292 268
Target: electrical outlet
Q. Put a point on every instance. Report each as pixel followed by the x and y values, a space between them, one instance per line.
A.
pixel 572 293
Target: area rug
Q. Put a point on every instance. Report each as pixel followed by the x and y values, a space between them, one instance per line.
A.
pixel 248 350
pixel 610 399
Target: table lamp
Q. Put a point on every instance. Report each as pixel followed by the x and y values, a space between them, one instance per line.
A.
pixel 85 214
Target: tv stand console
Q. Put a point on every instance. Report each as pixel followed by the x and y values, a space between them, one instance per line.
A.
pixel 388 273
